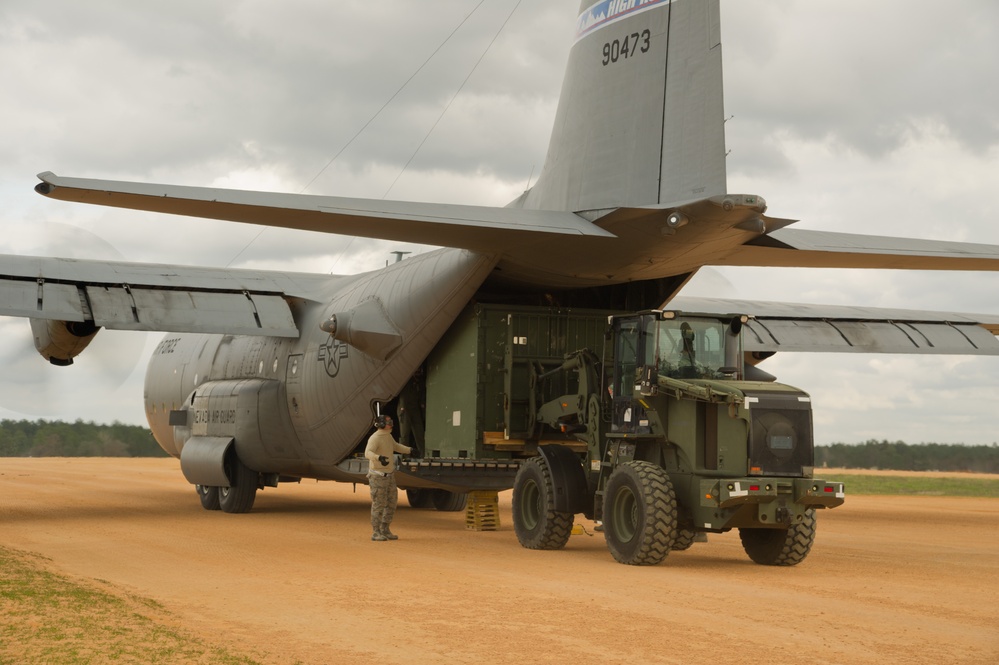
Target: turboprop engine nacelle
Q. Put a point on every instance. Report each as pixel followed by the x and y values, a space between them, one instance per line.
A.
pixel 61 341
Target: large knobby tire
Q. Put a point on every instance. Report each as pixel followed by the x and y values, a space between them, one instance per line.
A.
pixel 779 547
pixel 538 525
pixel 420 498
pixel 449 502
pixel 239 497
pixel 209 496
pixel 684 540
pixel 639 514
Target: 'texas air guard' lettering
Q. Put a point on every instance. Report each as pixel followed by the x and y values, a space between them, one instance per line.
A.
pixel 214 417
pixel 607 12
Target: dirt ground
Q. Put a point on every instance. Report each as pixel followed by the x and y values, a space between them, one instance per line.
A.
pixel 889 580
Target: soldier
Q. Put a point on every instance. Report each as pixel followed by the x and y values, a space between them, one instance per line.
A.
pixel 380 453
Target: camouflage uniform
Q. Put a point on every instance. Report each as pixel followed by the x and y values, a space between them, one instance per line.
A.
pixel 384 498
pixel 381 478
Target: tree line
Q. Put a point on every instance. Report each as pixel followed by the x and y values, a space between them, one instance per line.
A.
pixel 900 456
pixel 42 438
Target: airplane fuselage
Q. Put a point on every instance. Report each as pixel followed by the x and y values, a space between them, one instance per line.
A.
pixel 299 406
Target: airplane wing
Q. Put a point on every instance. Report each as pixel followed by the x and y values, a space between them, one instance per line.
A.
pixel 779 326
pixel 154 297
pixel 624 243
pixel 802 248
pixel 478 228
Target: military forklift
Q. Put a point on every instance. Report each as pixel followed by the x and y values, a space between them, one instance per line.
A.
pixel 653 423
pixel 679 441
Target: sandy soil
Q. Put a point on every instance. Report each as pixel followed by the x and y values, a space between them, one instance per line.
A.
pixel 890 579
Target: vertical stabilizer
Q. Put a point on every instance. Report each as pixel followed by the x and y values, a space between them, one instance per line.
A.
pixel 640 119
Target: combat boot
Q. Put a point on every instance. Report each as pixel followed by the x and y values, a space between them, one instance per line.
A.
pixel 388 535
pixel 378 535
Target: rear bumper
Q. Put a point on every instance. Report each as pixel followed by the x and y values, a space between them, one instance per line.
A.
pixel 815 492
pixel 732 492
pixel 762 502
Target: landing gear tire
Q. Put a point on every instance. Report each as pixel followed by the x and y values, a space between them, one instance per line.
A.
pixel 209 496
pixel 777 547
pixel 420 498
pixel 239 496
pixel 448 502
pixel 537 524
pixel 640 514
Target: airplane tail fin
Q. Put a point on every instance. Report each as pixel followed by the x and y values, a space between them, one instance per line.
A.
pixel 640 119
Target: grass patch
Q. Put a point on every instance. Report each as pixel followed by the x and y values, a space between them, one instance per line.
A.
pixel 917 486
pixel 47 618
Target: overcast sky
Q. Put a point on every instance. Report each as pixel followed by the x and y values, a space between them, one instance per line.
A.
pixel 852 116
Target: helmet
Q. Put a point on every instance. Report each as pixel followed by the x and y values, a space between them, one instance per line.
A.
pixel 383 421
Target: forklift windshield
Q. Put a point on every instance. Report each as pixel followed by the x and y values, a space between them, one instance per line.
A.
pixel 691 348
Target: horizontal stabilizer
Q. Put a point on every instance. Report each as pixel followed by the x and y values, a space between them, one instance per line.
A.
pixel 840 329
pixel 802 248
pixel 479 228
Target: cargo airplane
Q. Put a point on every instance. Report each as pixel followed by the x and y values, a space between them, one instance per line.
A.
pixel 267 376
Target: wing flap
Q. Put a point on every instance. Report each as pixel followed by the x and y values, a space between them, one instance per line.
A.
pixel 124 296
pixel 229 313
pixel 766 335
pixel 121 308
pixel 780 326
pixel 41 300
pixel 803 248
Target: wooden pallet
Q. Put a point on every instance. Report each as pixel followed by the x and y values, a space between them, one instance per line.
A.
pixel 499 442
pixel 482 511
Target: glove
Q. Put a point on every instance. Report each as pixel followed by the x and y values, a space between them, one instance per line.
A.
pixel 383 460
pixel 414 453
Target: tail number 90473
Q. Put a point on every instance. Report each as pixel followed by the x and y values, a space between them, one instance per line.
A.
pixel 632 45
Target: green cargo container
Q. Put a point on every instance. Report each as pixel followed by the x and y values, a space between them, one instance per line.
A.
pixel 479 398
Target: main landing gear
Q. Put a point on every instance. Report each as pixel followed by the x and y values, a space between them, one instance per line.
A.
pixel 239 496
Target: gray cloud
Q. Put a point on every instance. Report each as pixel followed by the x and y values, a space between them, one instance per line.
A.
pixel 866 76
pixel 869 118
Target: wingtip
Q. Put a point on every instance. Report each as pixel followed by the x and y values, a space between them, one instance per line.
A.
pixel 776 223
pixel 45 186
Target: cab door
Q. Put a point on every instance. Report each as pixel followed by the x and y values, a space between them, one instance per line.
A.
pixel 634 359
